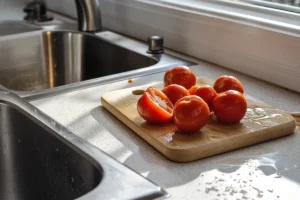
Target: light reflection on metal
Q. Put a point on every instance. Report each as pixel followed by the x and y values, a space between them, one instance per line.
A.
pixel 50 66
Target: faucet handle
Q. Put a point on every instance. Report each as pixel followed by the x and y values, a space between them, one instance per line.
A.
pixel 156 45
pixel 36 11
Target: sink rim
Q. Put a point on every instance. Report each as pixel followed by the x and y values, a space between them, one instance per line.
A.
pixel 101 160
pixel 42 26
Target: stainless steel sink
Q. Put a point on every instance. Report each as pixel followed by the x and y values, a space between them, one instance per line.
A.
pixel 40 159
pixel 49 59
pixel 31 63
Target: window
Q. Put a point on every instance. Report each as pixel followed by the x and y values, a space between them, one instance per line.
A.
pixel 287 5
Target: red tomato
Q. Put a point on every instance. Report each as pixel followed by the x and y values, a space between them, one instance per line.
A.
pixel 175 92
pixel 190 113
pixel 208 94
pixel 224 83
pixel 180 75
pixel 230 106
pixel 154 106
pixel 193 89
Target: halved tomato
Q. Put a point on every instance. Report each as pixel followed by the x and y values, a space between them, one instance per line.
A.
pixel 154 106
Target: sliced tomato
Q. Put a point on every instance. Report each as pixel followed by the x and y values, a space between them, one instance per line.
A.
pixel 154 106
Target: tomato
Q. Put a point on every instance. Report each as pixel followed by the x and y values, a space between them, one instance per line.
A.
pixel 180 75
pixel 193 89
pixel 190 113
pixel 224 83
pixel 175 92
pixel 154 106
pixel 208 94
pixel 230 106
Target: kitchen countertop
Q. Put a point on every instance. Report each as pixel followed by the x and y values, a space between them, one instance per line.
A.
pixel 270 170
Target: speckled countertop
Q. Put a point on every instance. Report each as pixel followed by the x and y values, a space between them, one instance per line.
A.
pixel 270 170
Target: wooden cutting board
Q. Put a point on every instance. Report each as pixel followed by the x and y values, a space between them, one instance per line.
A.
pixel 261 123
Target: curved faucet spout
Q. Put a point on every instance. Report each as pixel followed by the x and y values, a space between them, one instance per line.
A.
pixel 89 15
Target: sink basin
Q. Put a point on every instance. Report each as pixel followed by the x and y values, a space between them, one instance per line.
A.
pixel 41 60
pixel 40 159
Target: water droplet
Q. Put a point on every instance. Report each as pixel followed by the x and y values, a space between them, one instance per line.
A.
pixel 259 192
pixel 234 191
pixel 278 175
pixel 19 140
pixel 208 190
pixel 243 192
pixel 220 180
pixel 169 136
pixel 245 197
pixel 259 195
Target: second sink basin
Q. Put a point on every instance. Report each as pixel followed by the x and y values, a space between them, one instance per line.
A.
pixel 37 165
pixel 47 59
pixel 40 159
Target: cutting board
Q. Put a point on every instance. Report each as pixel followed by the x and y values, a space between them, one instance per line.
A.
pixel 261 123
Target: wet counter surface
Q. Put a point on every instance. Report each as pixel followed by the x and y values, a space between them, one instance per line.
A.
pixel 270 170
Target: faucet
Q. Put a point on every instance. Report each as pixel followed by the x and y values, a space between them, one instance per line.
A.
pixel 89 15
